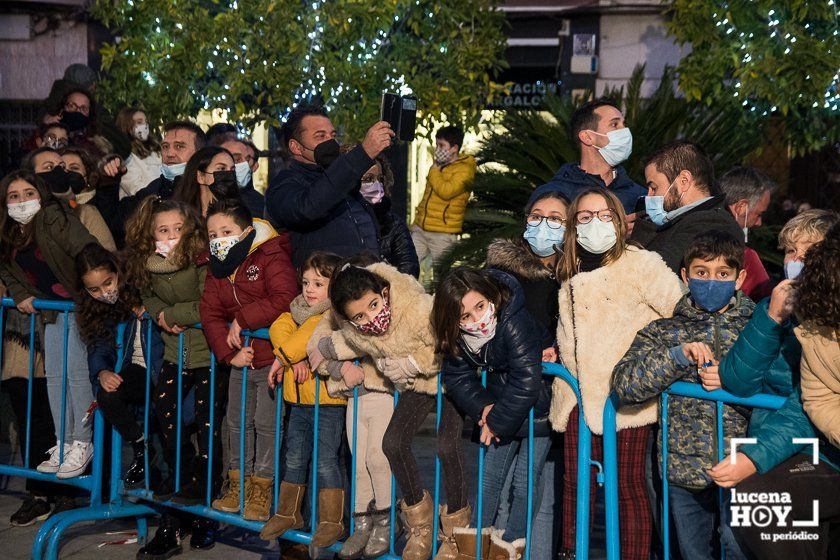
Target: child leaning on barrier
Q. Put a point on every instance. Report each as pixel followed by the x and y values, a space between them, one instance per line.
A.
pixel 384 315
pixel 164 247
pixel 481 323
pixel 689 347
pixel 251 282
pixel 39 238
pixel 289 335
pixel 106 299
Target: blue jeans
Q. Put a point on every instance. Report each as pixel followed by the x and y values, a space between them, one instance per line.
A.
pixel 299 439
pixel 498 461
pixel 78 388
pixel 695 517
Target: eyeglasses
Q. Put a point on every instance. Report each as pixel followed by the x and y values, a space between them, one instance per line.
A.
pixel 585 216
pixel 70 107
pixel 554 222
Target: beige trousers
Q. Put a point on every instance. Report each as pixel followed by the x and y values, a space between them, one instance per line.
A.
pixel 373 473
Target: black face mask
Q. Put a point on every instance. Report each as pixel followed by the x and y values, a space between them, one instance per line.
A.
pixel 224 185
pixel 60 180
pixel 327 152
pixel 235 257
pixel 75 121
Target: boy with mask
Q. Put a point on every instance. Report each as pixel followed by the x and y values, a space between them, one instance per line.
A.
pixel 251 282
pixel 689 347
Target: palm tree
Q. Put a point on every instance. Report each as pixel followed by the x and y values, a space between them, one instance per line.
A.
pixel 526 148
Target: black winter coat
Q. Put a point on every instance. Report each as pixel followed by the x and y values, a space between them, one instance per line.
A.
pixel 671 239
pixel 321 208
pixel 395 244
pixel 513 360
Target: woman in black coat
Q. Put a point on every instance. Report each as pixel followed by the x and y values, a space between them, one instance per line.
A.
pixel 480 322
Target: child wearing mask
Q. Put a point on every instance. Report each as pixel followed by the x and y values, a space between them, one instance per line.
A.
pixel 689 346
pixel 289 336
pixel 610 289
pixel 480 322
pixel 105 300
pixel 384 315
pixel 39 239
pixel 251 282
pixel 164 257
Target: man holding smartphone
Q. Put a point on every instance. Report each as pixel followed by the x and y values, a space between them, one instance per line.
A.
pixel 317 198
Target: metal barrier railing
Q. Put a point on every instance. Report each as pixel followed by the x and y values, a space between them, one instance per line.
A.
pixel 680 389
pixel 47 541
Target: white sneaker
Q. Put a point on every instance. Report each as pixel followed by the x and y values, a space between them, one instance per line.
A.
pixel 50 466
pixel 76 461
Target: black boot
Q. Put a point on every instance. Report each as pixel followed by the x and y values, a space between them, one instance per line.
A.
pixel 203 533
pixel 166 542
pixel 135 476
pixel 193 493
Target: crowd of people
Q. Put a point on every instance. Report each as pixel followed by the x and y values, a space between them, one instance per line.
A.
pixel 630 287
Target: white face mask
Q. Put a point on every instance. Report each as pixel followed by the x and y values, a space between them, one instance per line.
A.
pixel 619 147
pixel 23 212
pixel 163 248
pixel 443 156
pixel 243 174
pixel 169 172
pixel 108 297
pixel 596 237
pixel 221 246
pixel 141 131
pixel 478 333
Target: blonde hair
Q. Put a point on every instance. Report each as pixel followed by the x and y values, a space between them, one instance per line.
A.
pixel 567 264
pixel 810 224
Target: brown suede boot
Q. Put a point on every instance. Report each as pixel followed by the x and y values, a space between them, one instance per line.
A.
pixel 229 500
pixel 288 512
pixel 330 527
pixel 448 550
pixel 502 550
pixel 258 499
pixel 465 542
pixel 417 520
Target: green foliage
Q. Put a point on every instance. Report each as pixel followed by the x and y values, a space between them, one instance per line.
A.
pixel 526 148
pixel 773 56
pixel 255 58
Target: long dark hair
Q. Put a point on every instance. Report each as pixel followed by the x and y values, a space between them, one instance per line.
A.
pixel 446 310
pixel 140 241
pixel 12 234
pixel 188 189
pixel 351 282
pixel 817 302
pixel 97 320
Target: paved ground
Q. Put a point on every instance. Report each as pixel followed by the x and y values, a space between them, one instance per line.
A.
pixel 83 541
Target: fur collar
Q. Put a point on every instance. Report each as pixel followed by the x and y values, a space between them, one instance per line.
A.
pixel 515 257
pixel 301 311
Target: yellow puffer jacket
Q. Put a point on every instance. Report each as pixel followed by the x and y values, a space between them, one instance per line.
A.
pixel 289 338
pixel 445 199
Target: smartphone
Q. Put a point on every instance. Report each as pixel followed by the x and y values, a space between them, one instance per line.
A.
pixel 640 209
pixel 401 113
pixel 390 110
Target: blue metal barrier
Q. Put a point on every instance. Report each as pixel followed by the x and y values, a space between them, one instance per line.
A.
pixel 143 503
pixel 681 389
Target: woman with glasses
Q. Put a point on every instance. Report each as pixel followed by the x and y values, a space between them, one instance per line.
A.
pixel 532 259
pixel 610 289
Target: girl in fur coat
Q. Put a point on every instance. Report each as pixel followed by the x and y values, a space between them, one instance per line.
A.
pixel 384 315
pixel 609 291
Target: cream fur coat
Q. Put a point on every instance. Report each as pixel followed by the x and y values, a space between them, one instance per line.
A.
pixel 610 305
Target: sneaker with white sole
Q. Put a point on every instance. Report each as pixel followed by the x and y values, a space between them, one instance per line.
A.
pixel 76 461
pixel 50 466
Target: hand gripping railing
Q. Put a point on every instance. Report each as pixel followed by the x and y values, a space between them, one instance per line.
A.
pixel 681 389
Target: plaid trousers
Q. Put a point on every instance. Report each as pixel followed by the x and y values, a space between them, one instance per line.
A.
pixel 635 517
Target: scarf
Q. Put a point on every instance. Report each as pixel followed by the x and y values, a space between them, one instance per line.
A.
pixel 302 311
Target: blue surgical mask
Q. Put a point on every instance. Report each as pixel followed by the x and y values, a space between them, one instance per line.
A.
pixel 596 237
pixel 243 174
pixel 543 239
pixel 655 206
pixel 711 295
pixel 793 269
pixel 169 172
pixel 619 147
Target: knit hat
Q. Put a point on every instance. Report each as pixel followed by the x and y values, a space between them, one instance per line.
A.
pixel 81 74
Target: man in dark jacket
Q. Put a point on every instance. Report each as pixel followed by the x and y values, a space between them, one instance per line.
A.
pixel 317 197
pixel 682 202
pixel 598 129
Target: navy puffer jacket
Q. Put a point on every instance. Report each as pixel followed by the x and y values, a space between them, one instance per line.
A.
pixel 513 360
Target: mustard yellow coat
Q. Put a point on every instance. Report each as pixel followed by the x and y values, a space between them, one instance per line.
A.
pixel 289 340
pixel 444 201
